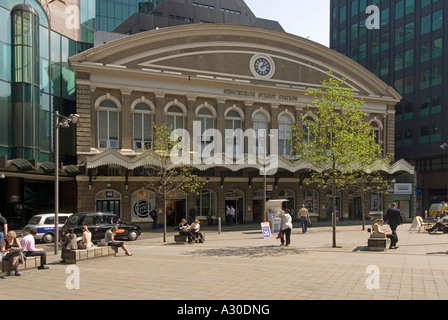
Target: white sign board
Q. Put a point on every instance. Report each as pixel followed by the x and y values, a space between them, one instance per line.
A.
pixel 266 229
pixel 403 188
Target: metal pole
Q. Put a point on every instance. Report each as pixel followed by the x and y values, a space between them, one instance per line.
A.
pixel 264 191
pixel 219 225
pixel 56 182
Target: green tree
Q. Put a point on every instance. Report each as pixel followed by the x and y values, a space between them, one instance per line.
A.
pixel 169 160
pixel 337 142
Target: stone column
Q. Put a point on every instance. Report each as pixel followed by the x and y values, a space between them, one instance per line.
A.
pixel 159 116
pixel 126 121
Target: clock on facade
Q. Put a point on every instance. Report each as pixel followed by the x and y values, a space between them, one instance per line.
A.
pixel 262 66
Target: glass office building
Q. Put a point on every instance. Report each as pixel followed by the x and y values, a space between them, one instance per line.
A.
pixel 35 80
pixel 407 52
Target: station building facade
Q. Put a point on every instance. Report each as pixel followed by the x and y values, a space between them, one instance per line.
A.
pixel 223 77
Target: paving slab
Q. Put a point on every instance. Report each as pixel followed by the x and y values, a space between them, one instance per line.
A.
pixel 238 264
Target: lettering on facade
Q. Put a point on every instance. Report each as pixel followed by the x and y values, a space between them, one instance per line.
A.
pixel 253 94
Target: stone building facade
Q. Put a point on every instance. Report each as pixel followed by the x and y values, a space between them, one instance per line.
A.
pixel 225 77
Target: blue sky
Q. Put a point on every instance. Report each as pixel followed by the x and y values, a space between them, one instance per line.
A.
pixel 305 18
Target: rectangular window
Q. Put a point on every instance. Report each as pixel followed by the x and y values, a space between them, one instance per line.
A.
pixel 384 42
pixel 343 14
pixel 409 58
pixel 410 6
pixel 399 61
pixel 425 79
pixel 385 16
pixel 399 9
pixel 342 37
pixel 424 107
pixel 437 47
pixel 437 20
pixel 398 85
pixel 399 35
pixel 409 31
pixel 409 84
pixel 436 76
pixel 425 24
pixel 354 7
pixel 425 52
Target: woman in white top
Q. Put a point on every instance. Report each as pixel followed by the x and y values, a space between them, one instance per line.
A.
pixel 286 226
pixel 86 237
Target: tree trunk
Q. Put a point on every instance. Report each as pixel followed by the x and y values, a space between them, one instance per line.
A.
pixel 333 216
pixel 164 215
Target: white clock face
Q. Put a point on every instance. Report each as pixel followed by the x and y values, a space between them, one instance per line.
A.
pixel 262 66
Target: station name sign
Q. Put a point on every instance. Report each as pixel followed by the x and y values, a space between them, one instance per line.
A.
pixel 253 94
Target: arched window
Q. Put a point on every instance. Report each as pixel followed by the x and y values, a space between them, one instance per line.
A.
pixel 376 128
pixel 233 144
pixel 108 126
pixel 143 125
pixel 307 122
pixel 174 115
pixel 207 118
pixel 311 201
pixel 284 134
pixel 206 202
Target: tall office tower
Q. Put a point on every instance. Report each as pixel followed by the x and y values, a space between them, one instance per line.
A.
pixel 166 13
pixel 406 50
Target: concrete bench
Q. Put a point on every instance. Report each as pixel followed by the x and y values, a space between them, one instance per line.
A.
pixel 181 238
pixel 72 256
pixel 378 242
pixel 29 263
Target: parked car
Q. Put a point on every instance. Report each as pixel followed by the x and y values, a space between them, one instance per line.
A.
pixel 44 224
pixel 98 223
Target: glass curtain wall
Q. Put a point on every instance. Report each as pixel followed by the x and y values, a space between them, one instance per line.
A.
pixel 25 80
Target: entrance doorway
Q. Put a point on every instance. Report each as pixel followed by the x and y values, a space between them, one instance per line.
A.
pixel 257 205
pixel 176 208
pixel 405 208
pixel 235 198
pixel 109 201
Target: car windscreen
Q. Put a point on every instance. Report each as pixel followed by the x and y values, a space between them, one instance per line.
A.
pixel 72 221
pixel 35 220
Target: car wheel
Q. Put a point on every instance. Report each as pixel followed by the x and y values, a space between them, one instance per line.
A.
pixel 133 235
pixel 48 237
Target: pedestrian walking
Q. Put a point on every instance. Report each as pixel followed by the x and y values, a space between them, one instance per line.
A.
pixel 393 218
pixel 304 217
pixel 232 215
pixel 154 217
pixel 286 228
pixel 227 215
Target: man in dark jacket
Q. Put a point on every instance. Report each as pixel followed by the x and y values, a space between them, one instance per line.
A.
pixel 394 219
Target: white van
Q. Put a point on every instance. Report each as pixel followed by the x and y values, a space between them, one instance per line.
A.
pixel 44 224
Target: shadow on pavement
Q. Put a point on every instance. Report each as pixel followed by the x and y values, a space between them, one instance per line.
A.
pixel 249 252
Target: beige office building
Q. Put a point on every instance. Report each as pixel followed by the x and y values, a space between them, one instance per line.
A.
pixel 225 77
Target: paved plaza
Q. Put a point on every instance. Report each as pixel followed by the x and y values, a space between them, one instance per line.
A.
pixel 238 264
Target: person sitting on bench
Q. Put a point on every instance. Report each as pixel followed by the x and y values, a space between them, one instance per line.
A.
pixel 184 230
pixel 439 224
pixel 376 227
pixel 195 227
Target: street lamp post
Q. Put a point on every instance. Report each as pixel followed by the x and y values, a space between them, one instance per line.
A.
pixel 443 146
pixel 264 179
pixel 64 123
